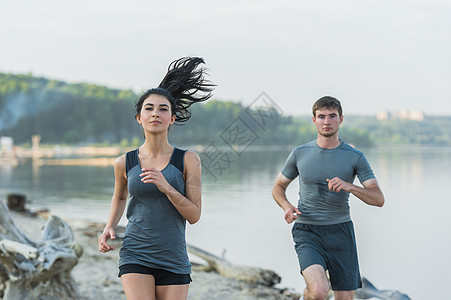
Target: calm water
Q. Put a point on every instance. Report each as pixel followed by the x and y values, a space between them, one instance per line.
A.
pixel 403 245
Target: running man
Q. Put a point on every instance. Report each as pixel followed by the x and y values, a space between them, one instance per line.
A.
pixel 323 232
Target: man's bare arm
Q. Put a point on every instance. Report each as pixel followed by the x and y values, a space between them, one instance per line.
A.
pixel 279 195
pixel 370 193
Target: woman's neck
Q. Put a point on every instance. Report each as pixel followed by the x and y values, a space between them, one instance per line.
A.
pixel 156 145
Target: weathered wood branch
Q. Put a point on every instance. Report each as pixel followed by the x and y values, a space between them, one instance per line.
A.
pixel 37 270
pixel 248 274
pixel 16 202
pixel 369 291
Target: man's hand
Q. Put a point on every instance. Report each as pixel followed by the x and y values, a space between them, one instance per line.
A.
pixel 337 185
pixel 291 214
pixel 371 193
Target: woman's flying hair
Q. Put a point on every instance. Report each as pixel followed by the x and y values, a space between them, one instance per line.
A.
pixel 183 85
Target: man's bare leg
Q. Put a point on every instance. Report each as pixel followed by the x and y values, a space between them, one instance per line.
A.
pixel 317 283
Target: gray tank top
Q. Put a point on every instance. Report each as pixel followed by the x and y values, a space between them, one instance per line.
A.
pixel 155 232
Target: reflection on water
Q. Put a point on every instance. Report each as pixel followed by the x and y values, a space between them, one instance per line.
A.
pixel 402 246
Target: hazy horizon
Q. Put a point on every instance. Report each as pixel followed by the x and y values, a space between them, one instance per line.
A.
pixel 372 56
pixel 304 114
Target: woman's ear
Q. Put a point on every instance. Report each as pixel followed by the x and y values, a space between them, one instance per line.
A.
pixel 172 120
pixel 138 119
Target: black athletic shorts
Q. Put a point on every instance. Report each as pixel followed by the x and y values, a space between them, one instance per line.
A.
pixel 334 248
pixel 162 277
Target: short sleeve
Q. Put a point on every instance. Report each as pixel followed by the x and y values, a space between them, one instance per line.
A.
pixel 364 171
pixel 290 169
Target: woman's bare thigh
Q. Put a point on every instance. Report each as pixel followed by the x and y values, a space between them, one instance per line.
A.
pixel 138 286
pixel 172 292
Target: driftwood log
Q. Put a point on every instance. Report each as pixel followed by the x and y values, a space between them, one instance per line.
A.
pixel 225 268
pixel 247 274
pixel 37 270
pixel 369 291
pixel 16 202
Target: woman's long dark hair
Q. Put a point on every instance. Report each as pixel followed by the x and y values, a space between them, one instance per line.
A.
pixel 183 85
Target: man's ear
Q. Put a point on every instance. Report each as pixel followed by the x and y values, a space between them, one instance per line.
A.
pixel 341 119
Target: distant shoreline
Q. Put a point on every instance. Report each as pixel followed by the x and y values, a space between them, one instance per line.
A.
pixel 106 155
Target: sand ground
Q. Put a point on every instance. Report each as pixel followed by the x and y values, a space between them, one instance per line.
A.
pixel 96 272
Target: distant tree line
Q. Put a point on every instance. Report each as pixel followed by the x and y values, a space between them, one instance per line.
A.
pixel 63 113
pixel 82 113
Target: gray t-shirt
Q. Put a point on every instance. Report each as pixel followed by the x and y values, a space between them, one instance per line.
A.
pixel 314 165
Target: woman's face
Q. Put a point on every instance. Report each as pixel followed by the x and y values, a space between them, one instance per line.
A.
pixel 156 114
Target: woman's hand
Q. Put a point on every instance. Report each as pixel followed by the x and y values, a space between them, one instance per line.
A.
pixel 104 237
pixel 154 176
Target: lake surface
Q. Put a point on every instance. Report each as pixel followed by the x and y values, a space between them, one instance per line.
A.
pixel 402 246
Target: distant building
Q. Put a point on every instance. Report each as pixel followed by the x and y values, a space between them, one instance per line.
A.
pixel 402 114
pixel 416 115
pixel 382 115
pixel 7 155
pixel 6 145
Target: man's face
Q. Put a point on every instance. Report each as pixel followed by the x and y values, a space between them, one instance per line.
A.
pixel 327 121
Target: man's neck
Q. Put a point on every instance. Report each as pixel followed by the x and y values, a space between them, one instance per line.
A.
pixel 328 142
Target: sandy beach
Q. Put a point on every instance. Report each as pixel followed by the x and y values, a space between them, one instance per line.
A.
pixel 96 272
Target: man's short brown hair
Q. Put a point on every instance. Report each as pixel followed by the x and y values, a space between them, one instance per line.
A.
pixel 327 102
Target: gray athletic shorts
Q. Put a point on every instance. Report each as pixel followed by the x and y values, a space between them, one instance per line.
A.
pixel 334 248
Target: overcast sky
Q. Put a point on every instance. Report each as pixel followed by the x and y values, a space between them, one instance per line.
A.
pixel 372 55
